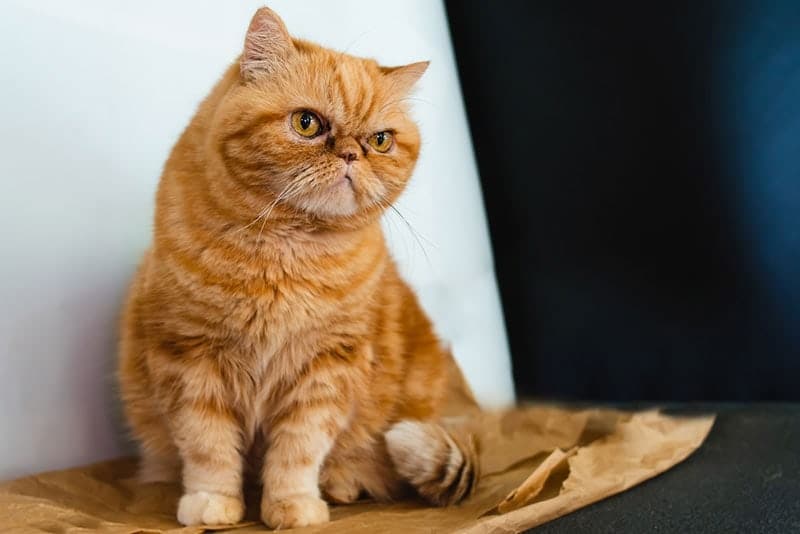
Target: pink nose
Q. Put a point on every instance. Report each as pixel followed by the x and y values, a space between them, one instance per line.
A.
pixel 347 148
pixel 348 155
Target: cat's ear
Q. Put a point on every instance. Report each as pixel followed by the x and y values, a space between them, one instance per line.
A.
pixel 402 79
pixel 267 44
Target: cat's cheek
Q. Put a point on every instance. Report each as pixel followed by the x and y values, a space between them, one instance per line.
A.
pixel 371 192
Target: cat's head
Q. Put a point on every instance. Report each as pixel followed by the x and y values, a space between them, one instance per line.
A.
pixel 319 133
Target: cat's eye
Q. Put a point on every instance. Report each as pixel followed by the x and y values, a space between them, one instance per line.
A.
pixel 381 141
pixel 306 123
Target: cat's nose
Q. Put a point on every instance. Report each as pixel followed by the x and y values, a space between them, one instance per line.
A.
pixel 347 148
pixel 348 154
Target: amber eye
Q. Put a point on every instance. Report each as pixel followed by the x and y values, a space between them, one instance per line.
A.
pixel 381 141
pixel 306 123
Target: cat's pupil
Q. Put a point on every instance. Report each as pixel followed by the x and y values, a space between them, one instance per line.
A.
pixel 380 138
pixel 305 120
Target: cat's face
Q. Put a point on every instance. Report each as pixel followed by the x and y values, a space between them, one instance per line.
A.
pixel 321 133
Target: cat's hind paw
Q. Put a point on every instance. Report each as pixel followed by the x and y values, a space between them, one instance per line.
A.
pixel 338 485
pixel 204 508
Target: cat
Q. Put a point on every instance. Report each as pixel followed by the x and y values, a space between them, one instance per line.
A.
pixel 267 330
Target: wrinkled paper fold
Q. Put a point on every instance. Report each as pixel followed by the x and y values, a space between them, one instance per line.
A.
pixel 538 463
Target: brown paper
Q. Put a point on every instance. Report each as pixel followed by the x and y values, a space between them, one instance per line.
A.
pixel 534 484
pixel 528 480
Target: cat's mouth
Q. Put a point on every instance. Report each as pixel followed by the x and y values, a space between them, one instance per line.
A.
pixel 344 180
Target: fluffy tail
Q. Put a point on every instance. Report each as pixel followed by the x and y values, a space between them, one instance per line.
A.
pixel 441 465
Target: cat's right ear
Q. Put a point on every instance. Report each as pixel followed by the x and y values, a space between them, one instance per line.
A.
pixel 402 79
pixel 266 46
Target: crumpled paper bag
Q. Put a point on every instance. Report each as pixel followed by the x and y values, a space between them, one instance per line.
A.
pixel 538 463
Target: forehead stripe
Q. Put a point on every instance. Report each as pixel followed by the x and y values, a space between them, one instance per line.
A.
pixel 368 95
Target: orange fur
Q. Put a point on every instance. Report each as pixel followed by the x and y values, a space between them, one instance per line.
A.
pixel 267 328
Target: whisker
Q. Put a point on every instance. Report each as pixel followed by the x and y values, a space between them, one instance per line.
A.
pixel 260 214
pixel 353 42
pixel 266 212
pixel 415 234
pixel 290 191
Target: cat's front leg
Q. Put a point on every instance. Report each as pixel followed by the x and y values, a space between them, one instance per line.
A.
pixel 208 438
pixel 301 435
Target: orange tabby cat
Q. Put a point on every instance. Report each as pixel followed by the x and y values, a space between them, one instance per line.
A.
pixel 267 328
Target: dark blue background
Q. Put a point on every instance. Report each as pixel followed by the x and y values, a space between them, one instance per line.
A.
pixel 640 163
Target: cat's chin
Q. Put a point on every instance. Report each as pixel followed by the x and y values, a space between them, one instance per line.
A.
pixel 338 200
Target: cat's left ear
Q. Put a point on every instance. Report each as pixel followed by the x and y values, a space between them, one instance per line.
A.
pixel 402 79
pixel 267 44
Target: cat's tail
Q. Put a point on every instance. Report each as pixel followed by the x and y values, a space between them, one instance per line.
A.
pixel 440 463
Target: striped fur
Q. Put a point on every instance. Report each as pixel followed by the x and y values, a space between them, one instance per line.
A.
pixel 441 465
pixel 267 330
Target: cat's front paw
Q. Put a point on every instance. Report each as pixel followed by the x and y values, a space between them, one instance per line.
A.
pixel 204 508
pixel 293 512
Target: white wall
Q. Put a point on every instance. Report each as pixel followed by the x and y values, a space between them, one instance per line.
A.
pixel 93 95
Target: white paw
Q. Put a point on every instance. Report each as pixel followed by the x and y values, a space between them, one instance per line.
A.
pixel 417 449
pixel 293 512
pixel 203 508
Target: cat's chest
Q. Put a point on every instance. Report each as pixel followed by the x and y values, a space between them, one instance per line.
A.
pixel 281 307
pixel 277 312
pixel 288 285
pixel 270 366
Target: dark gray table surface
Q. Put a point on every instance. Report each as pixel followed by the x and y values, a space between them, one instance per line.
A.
pixel 745 478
